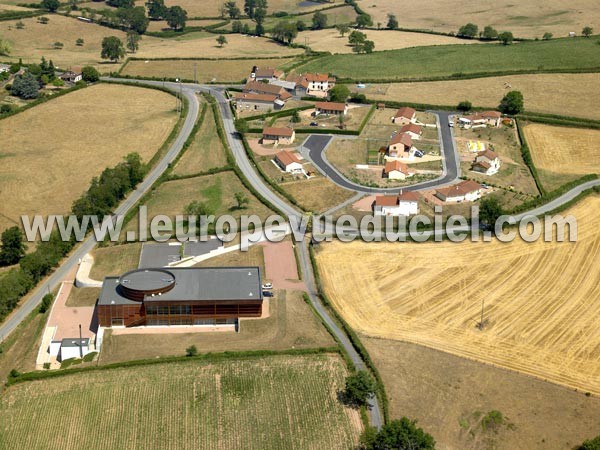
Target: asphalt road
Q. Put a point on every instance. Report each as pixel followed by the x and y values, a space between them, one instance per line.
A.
pixel 314 148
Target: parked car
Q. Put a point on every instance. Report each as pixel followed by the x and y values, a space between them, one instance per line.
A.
pixel 450 124
pixel 267 286
pixel 267 293
pixel 314 124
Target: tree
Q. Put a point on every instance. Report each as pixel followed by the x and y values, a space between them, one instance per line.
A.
pixel 357 39
pixel 191 351
pixel 197 208
pixel 285 32
pixel 301 25
pixel 13 246
pixel 19 25
pixel 547 36
pixel 342 29
pixel 259 29
pixel 5 48
pixel 489 211
pixel 489 33
pixel 259 17
pixel 241 126
pixel 506 37
pixel 296 117
pixel 363 20
pixel 176 17
pixel 43 20
pixel 50 5
pixel 468 31
pixel 512 103
pixel 58 45
pixel 46 302
pixel 232 10
pixel 339 93
pixel 246 29
pixel 368 46
pixel 236 26
pixel 241 199
pixel 90 74
pixel 112 48
pixel 221 40
pixel 359 388
pixel 79 42
pixel 134 18
pixel 464 106
pixel 319 21
pixel 249 6
pixel 392 22
pixel 591 444
pixel 587 31
pixel 121 3
pixel 156 9
pixel 400 434
pixel 133 41
pixel 25 86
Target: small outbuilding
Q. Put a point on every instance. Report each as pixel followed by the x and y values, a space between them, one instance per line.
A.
pixel 73 348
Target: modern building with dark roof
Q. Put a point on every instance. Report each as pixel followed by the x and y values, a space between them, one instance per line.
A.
pixel 180 296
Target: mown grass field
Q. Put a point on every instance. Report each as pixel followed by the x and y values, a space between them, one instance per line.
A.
pixel 563 154
pixel 206 151
pixel 36 40
pixel 115 260
pixel 277 402
pixel 291 324
pixel 446 60
pixel 52 152
pixel 541 299
pixel 524 19
pixel 317 194
pixel 329 40
pixel 206 70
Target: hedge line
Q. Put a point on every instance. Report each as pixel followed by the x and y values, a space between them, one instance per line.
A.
pixel 565 121
pixel 528 160
pixel 13 15
pixel 207 357
pixel 356 343
pixel 276 114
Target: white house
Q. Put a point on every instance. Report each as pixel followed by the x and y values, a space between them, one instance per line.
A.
pixel 396 170
pixel 318 84
pixel 467 190
pixel 413 130
pixel 486 162
pixel 4 68
pixel 480 120
pixel 71 77
pixel 404 204
pixel 73 348
pixel 256 102
pixel 288 162
pixel 278 135
pixel 405 115
pixel 331 108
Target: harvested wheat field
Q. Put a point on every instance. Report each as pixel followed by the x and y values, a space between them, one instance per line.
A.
pixel 562 154
pixel 524 19
pixel 329 40
pixel 572 94
pixel 36 40
pixel 232 70
pixel 50 153
pixel 277 402
pixel 542 299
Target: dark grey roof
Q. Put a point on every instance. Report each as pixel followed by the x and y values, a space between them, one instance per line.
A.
pixel 75 342
pixel 193 284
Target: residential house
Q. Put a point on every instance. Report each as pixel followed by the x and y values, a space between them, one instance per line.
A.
pixel 467 190
pixel 71 77
pixel 330 108
pixel 318 84
pixel 492 118
pixel 486 162
pixel 255 102
pixel 288 162
pixel 4 68
pixel 413 130
pixel 405 115
pixel 266 74
pixel 278 135
pixel 396 170
pixel 257 87
pixel 482 119
pixel 404 204
pixel 400 146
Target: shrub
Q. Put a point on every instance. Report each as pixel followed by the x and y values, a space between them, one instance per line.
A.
pixel 46 302
pixel 191 351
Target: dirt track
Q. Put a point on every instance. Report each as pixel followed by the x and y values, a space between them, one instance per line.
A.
pixel 542 299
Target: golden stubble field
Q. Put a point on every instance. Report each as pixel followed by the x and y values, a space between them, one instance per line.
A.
pixel 524 19
pixel 50 153
pixel 36 40
pixel 542 299
pixel 563 151
pixel 564 94
pixel 329 40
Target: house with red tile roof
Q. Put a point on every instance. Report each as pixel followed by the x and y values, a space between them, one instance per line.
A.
pixel 255 102
pixel 405 115
pixel 486 162
pixel 331 108
pixel 288 162
pixel 404 204
pixel 466 190
pixel 396 170
pixel 278 135
pixel 400 146
pixel 413 130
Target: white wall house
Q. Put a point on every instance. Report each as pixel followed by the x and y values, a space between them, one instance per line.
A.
pixel 288 162
pixel 465 191
pixel 486 162
pixel 404 204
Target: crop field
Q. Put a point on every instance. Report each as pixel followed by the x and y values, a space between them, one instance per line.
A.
pixel 206 70
pixel 277 402
pixel 206 151
pixel 573 94
pixel 562 154
pixel 36 40
pixel 49 154
pixel 431 294
pixel 446 60
pixel 216 191
pixel 524 19
pixel 291 324
pixel 329 40
pixel 448 396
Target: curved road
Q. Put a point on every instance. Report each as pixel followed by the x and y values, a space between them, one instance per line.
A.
pixel 190 91
pixel 450 163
